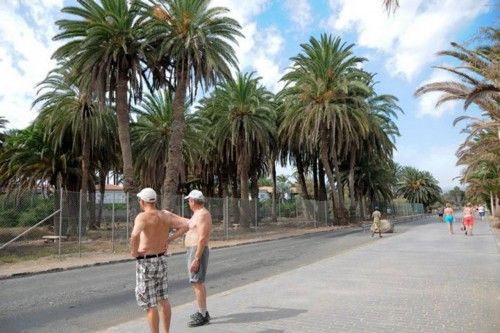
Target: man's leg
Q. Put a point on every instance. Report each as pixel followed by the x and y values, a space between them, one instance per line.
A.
pixel 200 293
pixel 165 314
pixel 153 320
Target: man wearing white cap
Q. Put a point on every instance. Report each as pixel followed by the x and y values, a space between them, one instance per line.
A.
pixel 196 242
pixel 148 243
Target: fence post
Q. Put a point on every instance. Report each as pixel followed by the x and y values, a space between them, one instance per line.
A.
pixel 256 212
pixel 60 219
pixel 225 209
pixel 127 213
pixel 315 215
pixel 113 223
pixel 326 213
pixel 80 225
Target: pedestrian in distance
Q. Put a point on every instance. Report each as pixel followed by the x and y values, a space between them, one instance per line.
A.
pixel 481 211
pixel 197 253
pixel 468 219
pixel 448 217
pixel 148 244
pixel 440 214
pixel 376 215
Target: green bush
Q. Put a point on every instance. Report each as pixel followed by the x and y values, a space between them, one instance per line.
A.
pixel 287 209
pixel 8 217
pixel 25 210
pixel 33 215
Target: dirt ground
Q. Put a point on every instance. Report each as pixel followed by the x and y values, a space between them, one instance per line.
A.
pixel 69 261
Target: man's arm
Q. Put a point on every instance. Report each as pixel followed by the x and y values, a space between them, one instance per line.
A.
pixel 178 223
pixel 135 236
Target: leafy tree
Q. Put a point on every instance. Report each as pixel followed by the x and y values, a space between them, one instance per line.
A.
pixel 418 186
pixel 319 98
pixel 195 41
pixel 243 120
pixel 103 51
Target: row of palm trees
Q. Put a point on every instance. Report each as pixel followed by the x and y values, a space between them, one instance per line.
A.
pixel 328 120
pixel 476 82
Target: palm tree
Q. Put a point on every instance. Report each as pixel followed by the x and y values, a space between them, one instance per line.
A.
pixel 29 158
pixel 195 41
pixel 418 186
pixel 65 112
pixel 320 100
pixel 103 51
pixel 478 81
pixel 150 137
pixel 244 127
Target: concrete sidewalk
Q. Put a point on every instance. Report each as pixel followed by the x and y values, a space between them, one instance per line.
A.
pixel 423 280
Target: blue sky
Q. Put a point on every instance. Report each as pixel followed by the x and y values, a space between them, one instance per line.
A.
pixel 401 50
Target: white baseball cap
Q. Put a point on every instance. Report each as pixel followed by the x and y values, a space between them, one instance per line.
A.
pixel 196 195
pixel 147 194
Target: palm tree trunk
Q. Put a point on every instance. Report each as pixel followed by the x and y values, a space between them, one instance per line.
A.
pixel 302 178
pixel 331 180
pixel 307 206
pixel 352 207
pixel 85 177
pixel 274 196
pixel 340 190
pixel 175 160
pixel 124 131
pixel 102 191
pixel 243 168
pixel 254 192
pixel 315 179
pixel 236 196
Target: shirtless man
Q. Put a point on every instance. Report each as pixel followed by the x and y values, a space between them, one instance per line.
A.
pixel 196 242
pixel 468 219
pixel 148 244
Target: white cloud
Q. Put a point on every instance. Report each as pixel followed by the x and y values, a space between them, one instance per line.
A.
pixel 260 49
pixel 242 11
pixel 411 36
pixel 427 102
pixel 25 51
pixel 300 12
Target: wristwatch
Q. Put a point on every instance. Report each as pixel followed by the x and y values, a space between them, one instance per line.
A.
pixel 196 258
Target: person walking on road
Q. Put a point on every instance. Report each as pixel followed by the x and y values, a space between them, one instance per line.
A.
pixel 196 242
pixel 376 215
pixel 481 211
pixel 468 219
pixel 148 243
pixel 448 218
pixel 440 214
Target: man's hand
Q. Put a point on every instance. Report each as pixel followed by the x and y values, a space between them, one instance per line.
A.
pixel 195 266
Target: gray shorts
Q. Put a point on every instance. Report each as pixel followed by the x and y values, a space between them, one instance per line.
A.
pixel 202 272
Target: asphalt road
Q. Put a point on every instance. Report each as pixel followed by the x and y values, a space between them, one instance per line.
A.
pixel 94 298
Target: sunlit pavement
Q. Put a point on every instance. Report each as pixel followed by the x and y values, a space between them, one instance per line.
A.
pixel 423 280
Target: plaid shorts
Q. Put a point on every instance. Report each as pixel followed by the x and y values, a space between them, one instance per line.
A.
pixel 151 281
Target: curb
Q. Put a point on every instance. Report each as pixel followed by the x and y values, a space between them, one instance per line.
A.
pixel 117 261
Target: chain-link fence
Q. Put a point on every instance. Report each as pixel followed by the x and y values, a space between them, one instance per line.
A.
pixel 53 223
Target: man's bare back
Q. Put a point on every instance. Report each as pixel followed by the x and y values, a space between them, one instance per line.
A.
pixel 153 228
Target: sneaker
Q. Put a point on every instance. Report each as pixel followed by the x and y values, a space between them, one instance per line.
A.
pixel 199 320
pixel 193 316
